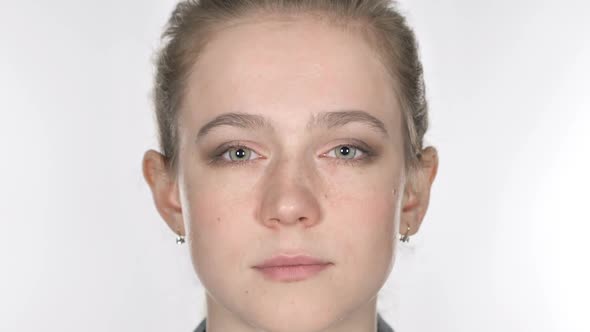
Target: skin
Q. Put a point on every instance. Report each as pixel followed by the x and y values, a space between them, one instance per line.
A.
pixel 293 193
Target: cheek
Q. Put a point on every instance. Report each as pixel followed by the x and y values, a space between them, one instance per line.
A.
pixel 367 216
pixel 362 225
pixel 364 215
pixel 219 228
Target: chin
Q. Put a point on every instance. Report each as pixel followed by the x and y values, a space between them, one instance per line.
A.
pixel 301 314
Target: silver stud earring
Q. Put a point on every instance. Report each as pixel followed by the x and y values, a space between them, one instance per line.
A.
pixel 180 239
pixel 405 237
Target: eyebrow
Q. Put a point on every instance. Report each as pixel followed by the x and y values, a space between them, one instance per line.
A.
pixel 327 120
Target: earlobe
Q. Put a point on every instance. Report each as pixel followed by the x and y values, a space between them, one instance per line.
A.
pixel 164 190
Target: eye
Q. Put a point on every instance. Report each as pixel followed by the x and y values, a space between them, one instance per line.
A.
pixel 347 152
pixel 238 154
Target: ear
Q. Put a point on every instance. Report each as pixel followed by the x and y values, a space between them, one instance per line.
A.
pixel 417 192
pixel 164 190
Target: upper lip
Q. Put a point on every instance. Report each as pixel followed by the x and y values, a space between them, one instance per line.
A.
pixel 285 260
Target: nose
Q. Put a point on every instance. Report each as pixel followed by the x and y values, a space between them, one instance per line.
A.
pixel 289 199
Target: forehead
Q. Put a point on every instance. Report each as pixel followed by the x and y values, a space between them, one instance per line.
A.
pixel 288 69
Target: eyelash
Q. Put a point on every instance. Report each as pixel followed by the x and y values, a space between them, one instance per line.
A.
pixel 218 159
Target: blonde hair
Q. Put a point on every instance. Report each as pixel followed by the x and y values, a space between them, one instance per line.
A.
pixel 194 22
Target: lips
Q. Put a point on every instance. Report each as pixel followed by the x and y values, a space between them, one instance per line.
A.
pixel 285 260
pixel 285 268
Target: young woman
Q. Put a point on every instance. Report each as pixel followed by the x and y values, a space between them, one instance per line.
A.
pixel 291 156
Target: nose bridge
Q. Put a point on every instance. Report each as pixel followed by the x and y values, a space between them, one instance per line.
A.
pixel 289 193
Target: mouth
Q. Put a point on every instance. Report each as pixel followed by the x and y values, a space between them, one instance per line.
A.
pixel 284 268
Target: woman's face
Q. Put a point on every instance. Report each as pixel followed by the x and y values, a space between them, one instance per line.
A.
pixel 319 171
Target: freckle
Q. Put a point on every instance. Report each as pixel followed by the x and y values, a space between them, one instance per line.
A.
pixel 325 195
pixel 218 219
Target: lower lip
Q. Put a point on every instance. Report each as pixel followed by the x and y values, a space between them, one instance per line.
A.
pixel 292 273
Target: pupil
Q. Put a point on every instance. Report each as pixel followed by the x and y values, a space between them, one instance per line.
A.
pixel 344 150
pixel 240 153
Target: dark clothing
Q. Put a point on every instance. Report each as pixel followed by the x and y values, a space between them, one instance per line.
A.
pixel 382 325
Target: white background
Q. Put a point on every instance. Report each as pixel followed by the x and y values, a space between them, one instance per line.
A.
pixel 504 246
